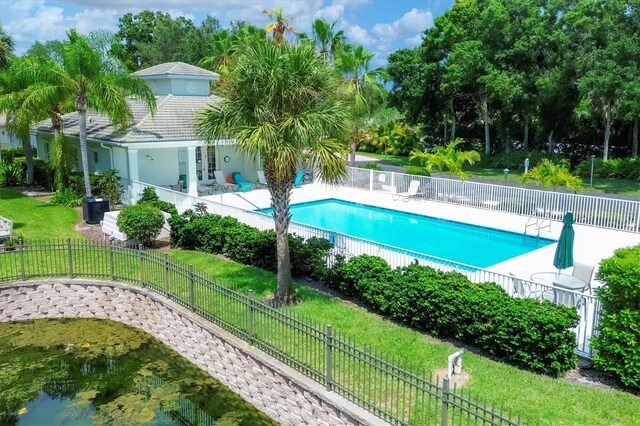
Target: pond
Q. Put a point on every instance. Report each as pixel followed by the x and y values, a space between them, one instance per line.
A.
pixel 87 372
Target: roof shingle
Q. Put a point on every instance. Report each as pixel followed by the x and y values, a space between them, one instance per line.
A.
pixel 176 68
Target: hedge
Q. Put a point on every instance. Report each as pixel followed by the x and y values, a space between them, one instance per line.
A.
pixel 618 343
pixel 523 332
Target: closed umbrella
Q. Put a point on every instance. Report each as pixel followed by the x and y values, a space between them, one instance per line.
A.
pixel 564 251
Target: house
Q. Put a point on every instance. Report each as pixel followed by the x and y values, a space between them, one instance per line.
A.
pixel 6 139
pixel 160 149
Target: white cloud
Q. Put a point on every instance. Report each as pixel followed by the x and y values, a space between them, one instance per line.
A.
pixel 413 21
pixel 358 35
pixel 414 41
pixel 331 13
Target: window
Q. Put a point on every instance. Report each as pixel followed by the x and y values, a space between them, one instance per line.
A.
pixel 95 157
pixel 211 159
pixel 199 162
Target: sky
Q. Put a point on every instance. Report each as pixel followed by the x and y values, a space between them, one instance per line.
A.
pixel 382 26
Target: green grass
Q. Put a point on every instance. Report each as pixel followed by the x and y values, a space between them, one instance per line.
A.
pixel 34 219
pixel 607 186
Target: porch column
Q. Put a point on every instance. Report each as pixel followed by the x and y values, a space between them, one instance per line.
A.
pixel 133 164
pixel 191 169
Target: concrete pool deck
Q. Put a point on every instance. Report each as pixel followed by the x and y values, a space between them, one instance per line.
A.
pixel 591 244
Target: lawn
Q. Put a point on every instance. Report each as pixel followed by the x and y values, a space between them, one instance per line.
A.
pixel 607 186
pixel 537 398
pixel 34 219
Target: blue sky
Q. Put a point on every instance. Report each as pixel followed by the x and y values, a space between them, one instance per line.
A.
pixel 381 25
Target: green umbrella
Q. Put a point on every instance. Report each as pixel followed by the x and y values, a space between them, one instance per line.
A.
pixel 564 251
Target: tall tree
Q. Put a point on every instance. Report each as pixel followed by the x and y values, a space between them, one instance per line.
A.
pixel 328 39
pixel 6 47
pixel 281 102
pixel 88 79
pixel 362 86
pixel 281 25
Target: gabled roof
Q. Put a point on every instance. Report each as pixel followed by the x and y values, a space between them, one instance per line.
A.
pixel 174 120
pixel 175 69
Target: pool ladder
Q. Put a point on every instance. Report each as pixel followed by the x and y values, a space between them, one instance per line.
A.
pixel 537 223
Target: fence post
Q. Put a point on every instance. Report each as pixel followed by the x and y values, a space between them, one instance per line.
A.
pixel 393 182
pixel 250 316
pixel 112 269
pixel 444 420
pixel 191 290
pixel 370 179
pixel 329 372
pixel 22 271
pixel 141 265
pixel 70 257
pixel 166 273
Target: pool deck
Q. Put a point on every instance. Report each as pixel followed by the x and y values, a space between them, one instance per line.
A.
pixel 591 244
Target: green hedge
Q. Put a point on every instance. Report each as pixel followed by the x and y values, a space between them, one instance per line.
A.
pixel 224 235
pixel 523 332
pixel 618 343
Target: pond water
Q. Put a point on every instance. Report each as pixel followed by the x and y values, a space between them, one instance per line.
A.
pixel 88 372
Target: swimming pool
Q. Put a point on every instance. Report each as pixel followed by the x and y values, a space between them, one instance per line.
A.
pixel 473 245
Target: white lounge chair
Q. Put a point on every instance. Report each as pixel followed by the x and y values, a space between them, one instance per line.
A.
pixel 262 180
pixel 414 185
pixel 177 187
pixel 585 273
pixel 221 182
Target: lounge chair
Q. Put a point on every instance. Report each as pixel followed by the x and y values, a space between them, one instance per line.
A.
pixel 221 182
pixel 585 273
pixel 262 180
pixel 298 180
pixel 242 184
pixel 177 187
pixel 522 289
pixel 414 185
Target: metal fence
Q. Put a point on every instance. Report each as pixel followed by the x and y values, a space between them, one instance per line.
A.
pixel 588 306
pixel 398 395
pixel 602 212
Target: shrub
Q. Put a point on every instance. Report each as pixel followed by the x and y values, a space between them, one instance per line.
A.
pixel 625 168
pixel 107 184
pixel 252 247
pixel 66 198
pixel 513 160
pixel 416 170
pixel 141 222
pixel 372 166
pixel 11 174
pixel 308 257
pixel 618 343
pixel 43 174
pixel 149 196
pixel 523 332
pixel 8 154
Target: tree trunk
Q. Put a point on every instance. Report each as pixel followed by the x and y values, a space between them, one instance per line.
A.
pixel 453 123
pixel 444 121
pixel 525 142
pixel 607 132
pixel 485 118
pixel 280 197
pixel 28 154
pixel 354 146
pixel 634 146
pixel 506 139
pixel 551 143
pixel 82 113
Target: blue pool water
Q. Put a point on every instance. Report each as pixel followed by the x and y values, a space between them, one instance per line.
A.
pixel 473 245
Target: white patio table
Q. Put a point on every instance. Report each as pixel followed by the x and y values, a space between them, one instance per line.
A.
pixel 568 282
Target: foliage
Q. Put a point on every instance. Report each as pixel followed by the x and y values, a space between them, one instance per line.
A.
pixel 513 160
pixel 149 196
pixel 66 197
pixel 107 184
pixel 7 46
pixel 553 175
pixel 372 166
pixel 523 332
pixel 619 339
pixel 416 170
pixel 623 168
pixel 43 173
pixel 389 138
pixel 447 159
pixel 8 154
pixel 62 156
pixel 142 222
pixel 11 174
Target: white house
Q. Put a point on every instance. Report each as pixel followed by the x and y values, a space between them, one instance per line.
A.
pixel 160 149
pixel 7 140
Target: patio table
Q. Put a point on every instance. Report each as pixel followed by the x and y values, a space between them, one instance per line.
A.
pixel 568 282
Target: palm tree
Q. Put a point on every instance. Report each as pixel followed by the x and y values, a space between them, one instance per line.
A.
pixel 91 80
pixel 280 26
pixel 220 52
pixel 447 159
pixel 328 40
pixel 281 102
pixel 362 86
pixel 6 47
pixel 553 175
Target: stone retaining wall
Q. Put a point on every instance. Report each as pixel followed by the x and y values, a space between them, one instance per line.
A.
pixel 274 388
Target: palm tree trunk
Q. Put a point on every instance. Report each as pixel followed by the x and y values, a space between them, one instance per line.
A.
pixel 353 147
pixel 444 122
pixel 485 118
pixel 634 146
pixel 607 132
pixel 551 143
pixel 28 154
pixel 525 143
pixel 453 124
pixel 280 197
pixel 82 113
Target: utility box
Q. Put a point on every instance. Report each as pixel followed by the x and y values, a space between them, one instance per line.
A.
pixel 94 208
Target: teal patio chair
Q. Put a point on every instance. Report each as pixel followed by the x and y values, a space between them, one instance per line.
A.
pixel 298 181
pixel 242 184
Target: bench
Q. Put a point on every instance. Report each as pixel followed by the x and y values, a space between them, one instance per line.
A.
pixel 6 228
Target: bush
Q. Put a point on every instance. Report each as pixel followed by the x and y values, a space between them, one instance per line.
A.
pixel 107 184
pixel 625 168
pixel 66 198
pixel 372 166
pixel 514 160
pixel 8 154
pixel 141 222
pixel 11 174
pixel 416 170
pixel 523 332
pixel 618 343
pixel 43 174
pixel 149 196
